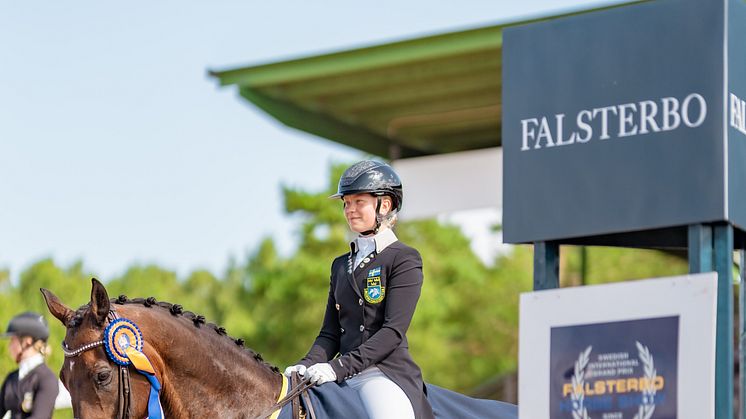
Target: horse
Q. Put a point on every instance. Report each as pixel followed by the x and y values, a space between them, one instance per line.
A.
pixel 201 370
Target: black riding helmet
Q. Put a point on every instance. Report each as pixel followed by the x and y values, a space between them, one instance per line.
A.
pixel 28 324
pixel 375 178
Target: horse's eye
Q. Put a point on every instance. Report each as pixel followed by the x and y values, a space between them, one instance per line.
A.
pixel 103 377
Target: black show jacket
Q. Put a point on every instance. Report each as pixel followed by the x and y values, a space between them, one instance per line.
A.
pixel 364 331
pixel 31 397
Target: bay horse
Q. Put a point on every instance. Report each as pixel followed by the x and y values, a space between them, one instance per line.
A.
pixel 203 372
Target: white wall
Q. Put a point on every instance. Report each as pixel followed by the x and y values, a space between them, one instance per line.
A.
pixel 435 185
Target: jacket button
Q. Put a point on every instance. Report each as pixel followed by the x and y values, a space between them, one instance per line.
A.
pixel 362 327
pixel 341 329
pixel 360 301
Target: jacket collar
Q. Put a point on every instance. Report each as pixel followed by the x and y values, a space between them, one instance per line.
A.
pixel 383 239
pixel 29 364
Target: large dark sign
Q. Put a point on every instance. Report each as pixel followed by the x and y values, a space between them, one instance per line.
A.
pixel 621 120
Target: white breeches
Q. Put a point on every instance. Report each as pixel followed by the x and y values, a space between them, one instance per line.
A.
pixel 382 398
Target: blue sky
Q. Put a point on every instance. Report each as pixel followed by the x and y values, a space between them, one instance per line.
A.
pixel 117 148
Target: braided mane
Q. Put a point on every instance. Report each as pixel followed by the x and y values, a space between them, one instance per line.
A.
pixel 197 320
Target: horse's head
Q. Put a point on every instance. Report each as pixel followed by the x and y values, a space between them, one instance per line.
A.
pixel 96 384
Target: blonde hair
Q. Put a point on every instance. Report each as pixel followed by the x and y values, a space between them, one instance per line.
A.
pixel 389 219
pixel 43 348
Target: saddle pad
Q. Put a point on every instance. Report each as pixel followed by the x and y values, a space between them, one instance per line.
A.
pixel 339 401
pixel 449 404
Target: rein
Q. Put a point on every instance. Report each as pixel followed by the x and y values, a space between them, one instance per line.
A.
pixel 137 359
pixel 296 392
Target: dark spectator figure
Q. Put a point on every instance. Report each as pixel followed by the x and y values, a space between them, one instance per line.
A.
pixel 31 390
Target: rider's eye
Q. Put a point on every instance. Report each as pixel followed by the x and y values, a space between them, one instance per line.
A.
pixel 103 377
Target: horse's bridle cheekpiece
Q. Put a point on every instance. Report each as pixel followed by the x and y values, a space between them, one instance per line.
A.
pixel 123 343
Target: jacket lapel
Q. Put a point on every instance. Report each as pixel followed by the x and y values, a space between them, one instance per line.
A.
pixel 351 276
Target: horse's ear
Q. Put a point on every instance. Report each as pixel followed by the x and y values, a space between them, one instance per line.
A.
pixel 57 307
pixel 99 301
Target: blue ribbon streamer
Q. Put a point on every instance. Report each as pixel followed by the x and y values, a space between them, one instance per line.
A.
pixel 155 411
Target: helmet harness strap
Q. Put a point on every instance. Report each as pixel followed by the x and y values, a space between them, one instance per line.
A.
pixel 379 218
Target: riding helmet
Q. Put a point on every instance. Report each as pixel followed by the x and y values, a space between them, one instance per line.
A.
pixel 375 178
pixel 28 324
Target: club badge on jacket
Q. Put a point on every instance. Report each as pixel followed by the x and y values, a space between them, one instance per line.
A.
pixel 28 402
pixel 374 292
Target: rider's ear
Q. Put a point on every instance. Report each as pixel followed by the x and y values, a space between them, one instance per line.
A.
pixel 99 301
pixel 56 307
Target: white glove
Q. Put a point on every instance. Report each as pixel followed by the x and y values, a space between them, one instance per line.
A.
pixel 321 373
pixel 301 369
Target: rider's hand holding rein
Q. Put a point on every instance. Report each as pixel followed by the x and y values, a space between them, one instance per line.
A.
pixel 300 369
pixel 321 373
pixel 373 293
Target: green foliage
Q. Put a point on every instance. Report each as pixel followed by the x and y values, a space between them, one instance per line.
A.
pixel 63 414
pixel 465 329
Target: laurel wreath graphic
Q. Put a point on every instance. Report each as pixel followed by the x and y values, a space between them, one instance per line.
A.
pixel 578 382
pixel 647 407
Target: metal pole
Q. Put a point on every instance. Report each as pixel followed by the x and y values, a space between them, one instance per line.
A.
pixel 583 265
pixel 700 248
pixel 742 333
pixel 723 252
pixel 546 265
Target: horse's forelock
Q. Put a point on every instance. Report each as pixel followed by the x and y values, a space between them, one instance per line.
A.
pixel 77 318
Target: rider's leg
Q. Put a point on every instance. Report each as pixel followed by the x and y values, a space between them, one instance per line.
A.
pixel 382 398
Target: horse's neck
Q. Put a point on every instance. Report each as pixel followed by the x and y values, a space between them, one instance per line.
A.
pixel 216 387
pixel 205 373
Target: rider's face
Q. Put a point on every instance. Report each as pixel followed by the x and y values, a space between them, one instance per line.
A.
pixel 360 211
pixel 14 347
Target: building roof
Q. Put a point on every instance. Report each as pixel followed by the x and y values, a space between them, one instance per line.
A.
pixel 425 96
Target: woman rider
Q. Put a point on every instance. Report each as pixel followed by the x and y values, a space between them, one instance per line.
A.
pixel 372 297
pixel 29 391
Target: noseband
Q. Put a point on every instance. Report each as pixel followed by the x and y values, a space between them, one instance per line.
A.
pixel 118 350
